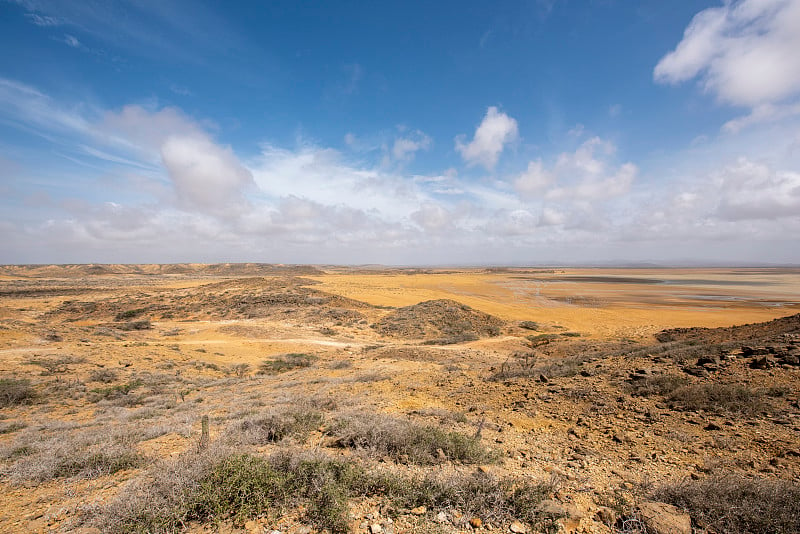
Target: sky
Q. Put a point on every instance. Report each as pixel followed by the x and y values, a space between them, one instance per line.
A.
pixel 532 132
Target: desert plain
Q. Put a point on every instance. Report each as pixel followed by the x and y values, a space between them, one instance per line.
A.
pixel 298 399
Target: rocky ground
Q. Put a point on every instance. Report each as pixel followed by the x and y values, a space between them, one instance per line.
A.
pixel 245 398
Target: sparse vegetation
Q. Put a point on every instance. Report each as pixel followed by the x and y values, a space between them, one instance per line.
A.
pixel 736 504
pixel 15 391
pixel 276 425
pixel 341 434
pixel 383 435
pixel 664 384
pixel 719 398
pixel 116 391
pixel 106 376
pixel 286 362
pixel 228 484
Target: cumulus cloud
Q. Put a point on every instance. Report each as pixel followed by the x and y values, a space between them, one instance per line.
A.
pixel 534 179
pixel 206 176
pixel 495 131
pixel 589 173
pixel 432 217
pixel 404 148
pixel 751 190
pixel 744 52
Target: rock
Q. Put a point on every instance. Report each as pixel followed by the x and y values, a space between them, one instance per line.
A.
pixel 476 522
pixel 441 517
pixel 305 529
pixel 764 362
pixel 375 528
pixel 517 528
pixel 606 516
pixel 791 359
pixel 551 507
pixel 662 518
pixel 419 510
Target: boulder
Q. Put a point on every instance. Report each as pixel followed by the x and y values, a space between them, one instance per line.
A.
pixel 662 518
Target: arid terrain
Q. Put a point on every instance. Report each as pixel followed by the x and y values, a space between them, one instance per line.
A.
pixel 298 399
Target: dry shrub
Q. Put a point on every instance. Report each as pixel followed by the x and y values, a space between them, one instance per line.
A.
pixel 736 504
pixel 67 457
pixel 224 483
pixel 383 435
pixel 286 362
pixel 15 391
pixel 718 398
pixel 274 426
pixel 106 376
pixel 657 385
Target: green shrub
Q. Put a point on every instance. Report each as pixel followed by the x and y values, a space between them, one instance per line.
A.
pixel 221 484
pixel 115 392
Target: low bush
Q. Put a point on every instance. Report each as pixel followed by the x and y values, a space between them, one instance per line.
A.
pixel 286 362
pixel 718 398
pixel 143 324
pixel 735 504
pixel 66 458
pixel 383 435
pixel 114 392
pixel 277 425
pixel 15 391
pixel 657 385
pixel 224 484
pixel 105 376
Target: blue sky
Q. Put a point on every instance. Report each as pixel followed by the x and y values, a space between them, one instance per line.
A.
pixel 400 133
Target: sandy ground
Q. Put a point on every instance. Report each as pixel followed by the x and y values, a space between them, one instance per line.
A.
pixel 534 424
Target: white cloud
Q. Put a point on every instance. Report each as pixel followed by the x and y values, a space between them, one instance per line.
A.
pixel 760 114
pixel 586 174
pixel 164 189
pixel 744 52
pixel 495 131
pixel 433 217
pixel 43 20
pixel 70 40
pixel 749 190
pixel 404 148
pixel 206 176
pixel 534 179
